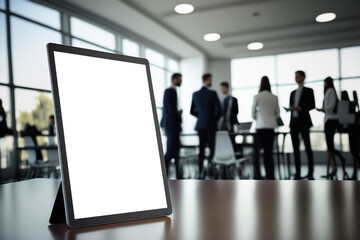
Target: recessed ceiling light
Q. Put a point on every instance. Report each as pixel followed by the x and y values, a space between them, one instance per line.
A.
pixel 184 8
pixel 255 46
pixel 326 17
pixel 211 37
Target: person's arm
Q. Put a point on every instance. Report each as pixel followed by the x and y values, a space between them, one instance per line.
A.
pixel 193 109
pixel 277 108
pixel 217 107
pixel 254 106
pixel 236 110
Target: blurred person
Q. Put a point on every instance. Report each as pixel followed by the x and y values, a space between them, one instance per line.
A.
pixel 171 123
pixel 206 107
pixel 230 110
pixel 302 101
pixel 353 131
pixel 331 125
pixel 4 130
pixel 51 127
pixel 265 111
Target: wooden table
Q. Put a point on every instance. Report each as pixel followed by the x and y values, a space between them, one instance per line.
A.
pixel 219 209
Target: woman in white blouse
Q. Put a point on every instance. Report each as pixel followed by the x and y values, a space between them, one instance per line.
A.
pixel 331 125
pixel 265 111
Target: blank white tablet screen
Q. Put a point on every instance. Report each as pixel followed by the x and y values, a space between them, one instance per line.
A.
pixel 110 137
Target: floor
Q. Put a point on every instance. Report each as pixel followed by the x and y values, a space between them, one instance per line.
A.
pixel 190 171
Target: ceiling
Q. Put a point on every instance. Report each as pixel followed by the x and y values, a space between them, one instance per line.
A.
pixel 282 25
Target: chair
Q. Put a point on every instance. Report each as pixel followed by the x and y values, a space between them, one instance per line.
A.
pixel 224 154
pixel 37 165
pixel 343 113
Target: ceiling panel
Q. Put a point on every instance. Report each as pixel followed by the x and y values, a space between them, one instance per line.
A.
pixel 283 25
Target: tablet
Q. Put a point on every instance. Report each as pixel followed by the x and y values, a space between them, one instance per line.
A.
pixel 111 156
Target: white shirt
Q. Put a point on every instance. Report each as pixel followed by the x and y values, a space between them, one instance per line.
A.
pixel 265 110
pixel 297 100
pixel 330 104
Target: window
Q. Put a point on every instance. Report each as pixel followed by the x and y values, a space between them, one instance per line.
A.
pixel 29 53
pixel 36 12
pixel 3 51
pixel 130 48
pixel 34 108
pixel 173 65
pixel 6 146
pixel 158 81
pixel 317 65
pixel 350 62
pixel 351 85
pixel 82 44
pixel 284 100
pixel 92 33
pixel 155 57
pixel 5 97
pixel 247 72
pixel 2 4
pixel 245 100
pixel 317 117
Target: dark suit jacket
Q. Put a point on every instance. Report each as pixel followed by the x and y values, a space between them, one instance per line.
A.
pixel 306 103
pixel 171 119
pixel 233 112
pixel 206 107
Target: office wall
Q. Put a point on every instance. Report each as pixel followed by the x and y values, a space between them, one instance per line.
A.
pixel 192 70
pixel 221 70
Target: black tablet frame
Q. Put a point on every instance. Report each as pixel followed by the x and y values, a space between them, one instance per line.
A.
pixel 69 211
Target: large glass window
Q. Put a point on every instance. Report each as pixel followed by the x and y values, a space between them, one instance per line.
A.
pixel 29 53
pixel 5 98
pixel 34 108
pixel 6 143
pixel 158 81
pixel 247 72
pixel 283 94
pixel 350 62
pixel 130 48
pixel 173 65
pixel 351 85
pixel 317 65
pixel 155 57
pixel 32 26
pixel 36 12
pixel 317 117
pixel 3 51
pixel 245 100
pixel 92 33
pixel 82 44
pixel 2 4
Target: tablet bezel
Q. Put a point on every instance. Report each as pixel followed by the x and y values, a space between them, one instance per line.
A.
pixel 69 211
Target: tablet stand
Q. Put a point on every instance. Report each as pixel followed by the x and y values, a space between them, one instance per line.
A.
pixel 58 211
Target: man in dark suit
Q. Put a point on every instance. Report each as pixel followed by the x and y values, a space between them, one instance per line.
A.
pixel 302 101
pixel 171 123
pixel 206 107
pixel 230 110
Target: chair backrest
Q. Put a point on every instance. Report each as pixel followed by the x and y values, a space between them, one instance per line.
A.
pixel 245 127
pixel 223 147
pixel 30 152
pixel 51 140
pixel 343 113
pixel 53 154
